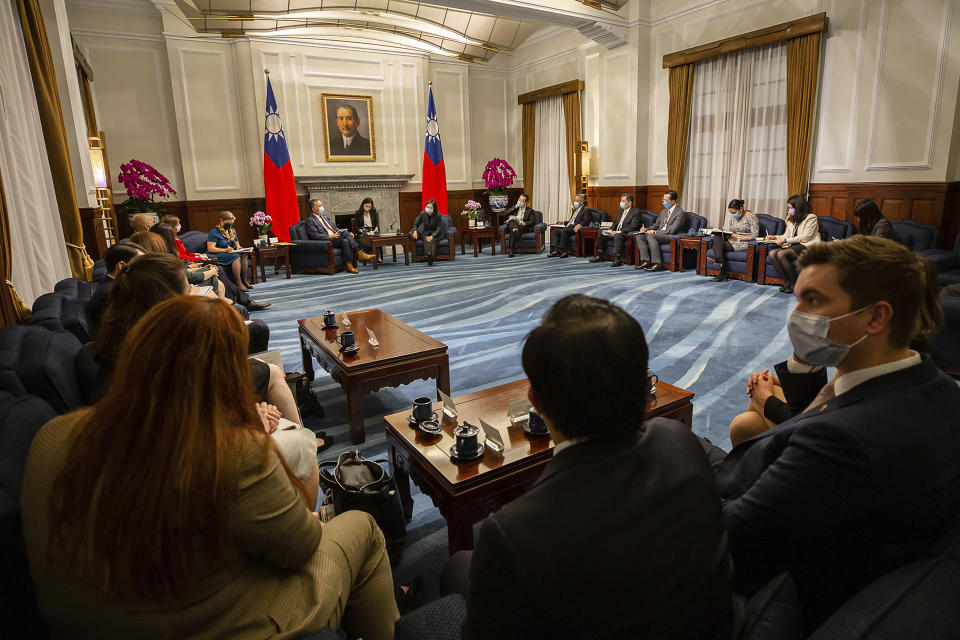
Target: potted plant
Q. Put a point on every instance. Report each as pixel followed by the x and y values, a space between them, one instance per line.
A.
pixel 262 223
pixel 498 175
pixel 143 183
pixel 471 211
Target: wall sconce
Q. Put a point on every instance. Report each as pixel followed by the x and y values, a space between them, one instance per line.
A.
pixel 96 158
pixel 584 160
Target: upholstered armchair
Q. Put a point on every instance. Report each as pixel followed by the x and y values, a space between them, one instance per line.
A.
pixel 742 264
pixel 313 256
pixel 444 247
pixel 596 216
pixel 670 248
pixel 530 241
pixel 830 229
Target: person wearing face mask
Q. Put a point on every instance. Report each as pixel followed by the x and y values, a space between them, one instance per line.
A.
pixel 864 479
pixel 560 233
pixel 628 220
pixel 802 231
pixel 522 221
pixel 222 242
pixel 671 221
pixel 428 226
pixel 321 227
pixel 366 221
pixel 182 252
pixel 743 227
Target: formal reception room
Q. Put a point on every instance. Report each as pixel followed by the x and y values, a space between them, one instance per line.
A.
pixel 480 318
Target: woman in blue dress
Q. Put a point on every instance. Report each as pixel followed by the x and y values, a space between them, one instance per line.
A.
pixel 222 242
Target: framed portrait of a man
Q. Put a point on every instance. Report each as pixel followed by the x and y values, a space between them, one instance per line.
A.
pixel 349 134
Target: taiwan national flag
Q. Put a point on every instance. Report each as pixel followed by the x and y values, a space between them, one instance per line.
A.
pixel 434 173
pixel 279 189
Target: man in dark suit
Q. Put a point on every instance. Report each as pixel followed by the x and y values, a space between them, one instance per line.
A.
pixel 671 220
pixel 560 234
pixel 628 221
pixel 347 141
pixel 865 478
pixel 621 535
pixel 321 227
pixel 522 221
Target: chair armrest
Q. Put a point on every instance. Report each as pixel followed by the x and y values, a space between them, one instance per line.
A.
pixel 310 245
pixel 540 225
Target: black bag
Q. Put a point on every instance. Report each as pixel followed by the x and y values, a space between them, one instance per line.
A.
pixel 361 484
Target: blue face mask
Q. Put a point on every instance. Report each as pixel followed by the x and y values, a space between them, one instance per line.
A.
pixel 737 216
pixel 666 204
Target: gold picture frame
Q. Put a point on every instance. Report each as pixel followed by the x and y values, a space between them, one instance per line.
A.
pixel 341 112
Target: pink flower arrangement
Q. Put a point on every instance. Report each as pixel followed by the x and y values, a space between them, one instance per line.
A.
pixel 261 222
pixel 142 183
pixel 497 176
pixel 471 209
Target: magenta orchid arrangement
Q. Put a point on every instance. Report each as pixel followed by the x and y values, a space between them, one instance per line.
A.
pixel 471 210
pixel 261 222
pixel 497 176
pixel 142 183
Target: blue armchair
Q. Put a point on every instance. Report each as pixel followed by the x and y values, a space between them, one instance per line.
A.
pixel 194 241
pixel 65 309
pixel 444 247
pixel 669 249
pixel 742 264
pixel 830 229
pixel 313 256
pixel 530 241
pixel 34 360
pixel 573 243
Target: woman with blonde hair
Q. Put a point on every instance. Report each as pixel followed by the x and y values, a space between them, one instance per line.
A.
pixel 164 511
pixel 222 242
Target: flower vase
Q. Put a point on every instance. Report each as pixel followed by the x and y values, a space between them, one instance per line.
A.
pixel 499 202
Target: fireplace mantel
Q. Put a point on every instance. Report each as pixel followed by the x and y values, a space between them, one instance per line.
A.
pixel 354 183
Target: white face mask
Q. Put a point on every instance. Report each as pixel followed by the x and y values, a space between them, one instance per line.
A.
pixel 808 333
pixel 429 209
pixel 321 210
pixel 178 228
pixel 623 205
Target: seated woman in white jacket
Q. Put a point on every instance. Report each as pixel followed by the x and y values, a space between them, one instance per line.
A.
pixel 801 232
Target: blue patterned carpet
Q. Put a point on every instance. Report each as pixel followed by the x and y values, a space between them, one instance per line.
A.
pixel 704 336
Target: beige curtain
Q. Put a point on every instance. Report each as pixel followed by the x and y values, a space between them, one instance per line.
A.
pixel 54 134
pixel 678 125
pixel 803 64
pixel 571 116
pixel 528 132
pixel 12 308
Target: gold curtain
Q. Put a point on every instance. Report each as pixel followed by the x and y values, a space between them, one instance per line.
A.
pixel 529 131
pixel 54 134
pixel 803 64
pixel 678 125
pixel 571 116
pixel 12 308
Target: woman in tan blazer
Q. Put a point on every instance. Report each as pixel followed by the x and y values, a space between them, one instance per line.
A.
pixel 170 515
pixel 801 232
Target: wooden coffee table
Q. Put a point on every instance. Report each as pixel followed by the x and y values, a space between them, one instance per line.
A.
pixel 276 252
pixel 402 240
pixel 478 234
pixel 467 492
pixel 404 355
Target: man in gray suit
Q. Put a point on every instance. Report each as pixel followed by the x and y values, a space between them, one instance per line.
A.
pixel 672 220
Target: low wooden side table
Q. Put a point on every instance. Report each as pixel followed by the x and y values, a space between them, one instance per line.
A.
pixel 277 252
pixel 403 240
pixel 588 233
pixel 478 234
pixel 691 243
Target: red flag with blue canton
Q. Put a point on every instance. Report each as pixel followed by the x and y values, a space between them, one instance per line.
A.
pixel 279 189
pixel 434 173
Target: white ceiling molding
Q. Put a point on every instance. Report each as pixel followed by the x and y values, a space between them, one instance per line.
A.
pixel 611 38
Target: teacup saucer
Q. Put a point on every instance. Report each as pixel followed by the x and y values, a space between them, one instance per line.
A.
pixel 535 434
pixel 414 422
pixel 456 457
pixel 431 427
pixel 351 350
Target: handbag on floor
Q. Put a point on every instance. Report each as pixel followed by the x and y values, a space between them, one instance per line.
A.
pixel 364 485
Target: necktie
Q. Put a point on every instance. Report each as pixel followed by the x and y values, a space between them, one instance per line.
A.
pixel 623 217
pixel 573 216
pixel 826 395
pixel 326 225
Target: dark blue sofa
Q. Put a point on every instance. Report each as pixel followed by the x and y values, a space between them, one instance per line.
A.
pixel 669 249
pixel 530 241
pixel 445 248
pixel 743 264
pixel 596 216
pixel 313 256
pixel 830 229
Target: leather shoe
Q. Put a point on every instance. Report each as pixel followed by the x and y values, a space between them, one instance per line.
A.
pixel 617 263
pixel 511 254
pixel 364 257
pixel 656 266
pixel 644 264
pixel 564 255
pixel 720 278
pixel 351 268
pixel 595 259
pixel 787 289
pixel 257 306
